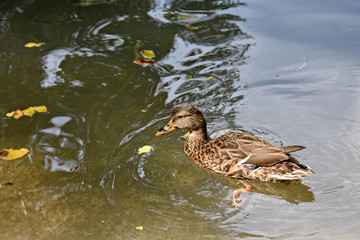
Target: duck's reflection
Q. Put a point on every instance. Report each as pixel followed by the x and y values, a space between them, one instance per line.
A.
pixel 293 192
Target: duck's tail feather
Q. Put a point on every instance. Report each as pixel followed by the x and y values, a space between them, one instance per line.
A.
pixel 296 174
pixel 289 149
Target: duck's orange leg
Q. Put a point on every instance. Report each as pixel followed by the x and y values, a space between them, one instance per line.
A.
pixel 237 194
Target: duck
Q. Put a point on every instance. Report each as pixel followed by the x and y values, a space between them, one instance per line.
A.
pixel 235 154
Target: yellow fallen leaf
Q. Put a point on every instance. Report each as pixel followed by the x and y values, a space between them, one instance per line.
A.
pixel 40 109
pixel 144 149
pixel 31 110
pixel 143 110
pixel 139 228
pixel 11 154
pixel 28 112
pixel 185 136
pixel 209 78
pixel 16 114
pixel 149 54
pixel 32 44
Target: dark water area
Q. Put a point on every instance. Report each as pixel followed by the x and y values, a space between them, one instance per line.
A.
pixel 287 71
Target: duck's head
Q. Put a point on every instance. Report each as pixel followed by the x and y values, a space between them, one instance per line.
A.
pixel 185 116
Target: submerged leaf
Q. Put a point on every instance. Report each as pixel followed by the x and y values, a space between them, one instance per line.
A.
pixel 144 149
pixel 11 154
pixel 149 54
pixel 143 110
pixel 139 228
pixel 144 61
pixel 179 17
pixel 192 27
pixel 32 44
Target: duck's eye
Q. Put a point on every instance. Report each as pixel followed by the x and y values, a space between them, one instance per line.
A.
pixel 181 116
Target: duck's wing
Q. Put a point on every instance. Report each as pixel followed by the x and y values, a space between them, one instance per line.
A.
pixel 267 156
pixel 235 152
pixel 224 156
pixel 240 147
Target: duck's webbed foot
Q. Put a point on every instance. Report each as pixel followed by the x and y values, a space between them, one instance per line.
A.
pixel 237 194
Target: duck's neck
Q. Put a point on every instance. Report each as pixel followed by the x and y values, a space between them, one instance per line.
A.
pixel 200 135
pixel 195 142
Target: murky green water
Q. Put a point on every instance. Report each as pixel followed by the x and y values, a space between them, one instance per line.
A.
pixel 287 71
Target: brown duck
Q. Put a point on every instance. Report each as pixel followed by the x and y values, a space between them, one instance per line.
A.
pixel 235 154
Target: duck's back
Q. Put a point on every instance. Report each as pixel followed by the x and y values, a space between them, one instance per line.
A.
pixel 259 152
pixel 238 154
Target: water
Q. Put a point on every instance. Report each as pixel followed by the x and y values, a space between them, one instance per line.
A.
pixel 287 71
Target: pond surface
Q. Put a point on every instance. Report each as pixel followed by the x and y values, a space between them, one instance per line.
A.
pixel 287 71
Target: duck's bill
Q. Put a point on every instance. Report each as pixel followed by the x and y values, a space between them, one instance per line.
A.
pixel 168 128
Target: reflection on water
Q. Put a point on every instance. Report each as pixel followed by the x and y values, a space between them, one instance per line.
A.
pixel 63 151
pixel 241 66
